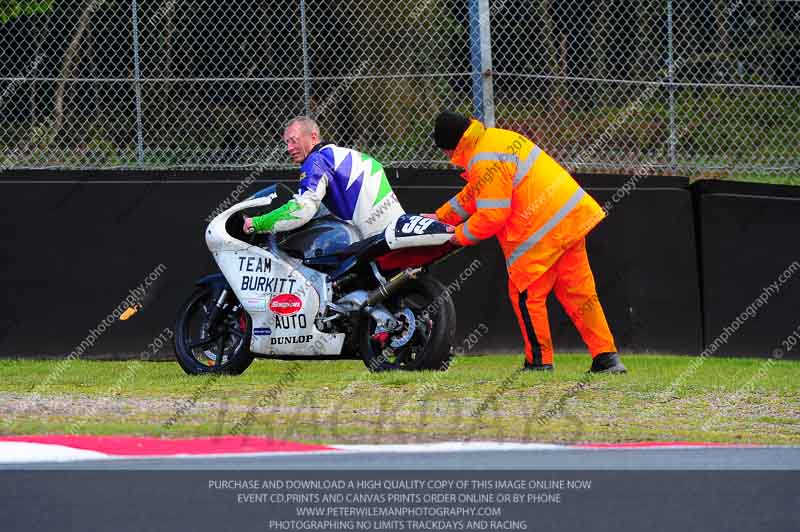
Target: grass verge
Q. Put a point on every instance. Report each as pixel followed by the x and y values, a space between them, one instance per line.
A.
pixel 479 398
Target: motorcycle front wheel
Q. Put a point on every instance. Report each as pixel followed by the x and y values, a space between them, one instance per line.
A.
pixel 428 337
pixel 202 347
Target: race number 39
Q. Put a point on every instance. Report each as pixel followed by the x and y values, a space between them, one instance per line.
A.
pixel 416 225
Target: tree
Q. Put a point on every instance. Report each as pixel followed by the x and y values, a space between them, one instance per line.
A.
pixel 13 9
pixel 72 58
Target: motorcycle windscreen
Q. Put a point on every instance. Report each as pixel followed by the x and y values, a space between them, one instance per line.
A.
pixel 234 224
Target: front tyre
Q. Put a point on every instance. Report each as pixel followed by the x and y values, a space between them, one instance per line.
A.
pixel 428 337
pixel 202 347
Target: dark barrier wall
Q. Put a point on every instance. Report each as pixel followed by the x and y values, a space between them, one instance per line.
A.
pixel 77 243
pixel 750 267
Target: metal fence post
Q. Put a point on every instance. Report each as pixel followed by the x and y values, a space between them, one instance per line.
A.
pixel 480 52
pixel 137 83
pixel 673 137
pixel 306 67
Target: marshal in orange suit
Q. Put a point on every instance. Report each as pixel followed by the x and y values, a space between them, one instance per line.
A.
pixel 540 216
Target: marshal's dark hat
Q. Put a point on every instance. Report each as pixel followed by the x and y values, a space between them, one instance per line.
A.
pixel 448 129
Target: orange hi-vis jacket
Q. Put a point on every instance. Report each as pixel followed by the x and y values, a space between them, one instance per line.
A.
pixel 517 192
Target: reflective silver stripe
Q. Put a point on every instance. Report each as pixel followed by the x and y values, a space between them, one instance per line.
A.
pixel 491 156
pixel 551 223
pixel 457 208
pixel 469 235
pixel 493 203
pixel 524 168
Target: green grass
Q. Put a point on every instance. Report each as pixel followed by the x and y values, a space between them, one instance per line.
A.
pixel 479 398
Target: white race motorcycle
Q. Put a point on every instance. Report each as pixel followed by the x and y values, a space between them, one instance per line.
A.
pixel 320 291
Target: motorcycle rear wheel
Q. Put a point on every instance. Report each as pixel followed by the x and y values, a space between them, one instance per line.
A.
pixel 431 345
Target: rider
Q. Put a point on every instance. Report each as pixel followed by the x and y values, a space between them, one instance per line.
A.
pixel 352 185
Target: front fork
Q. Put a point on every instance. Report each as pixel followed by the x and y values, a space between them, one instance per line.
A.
pixel 220 310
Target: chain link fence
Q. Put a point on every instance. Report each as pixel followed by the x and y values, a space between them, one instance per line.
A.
pixel 700 88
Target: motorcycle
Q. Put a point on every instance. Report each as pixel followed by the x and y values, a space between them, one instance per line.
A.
pixel 320 291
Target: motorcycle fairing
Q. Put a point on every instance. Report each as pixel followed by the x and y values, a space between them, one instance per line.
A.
pixel 411 230
pixel 281 295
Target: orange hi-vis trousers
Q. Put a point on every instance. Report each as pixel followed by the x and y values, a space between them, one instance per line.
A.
pixel 573 282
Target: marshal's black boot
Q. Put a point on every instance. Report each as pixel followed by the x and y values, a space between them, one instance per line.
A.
pixel 607 363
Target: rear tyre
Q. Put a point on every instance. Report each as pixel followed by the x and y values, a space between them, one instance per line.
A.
pixel 202 347
pixel 431 344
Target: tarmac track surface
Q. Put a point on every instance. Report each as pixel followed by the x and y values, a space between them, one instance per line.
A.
pixel 63 483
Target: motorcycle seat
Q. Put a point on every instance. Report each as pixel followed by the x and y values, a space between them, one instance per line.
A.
pixel 369 247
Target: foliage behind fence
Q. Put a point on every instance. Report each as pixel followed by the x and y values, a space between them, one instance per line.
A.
pixel 660 85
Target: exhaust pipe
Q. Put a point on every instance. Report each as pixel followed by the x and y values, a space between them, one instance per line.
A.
pixel 385 291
